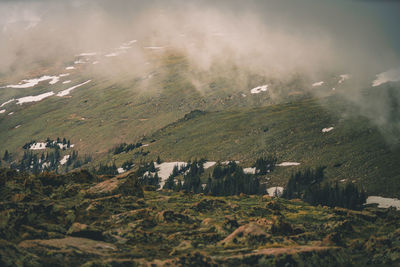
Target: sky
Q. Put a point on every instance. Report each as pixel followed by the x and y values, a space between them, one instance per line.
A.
pixel 358 32
pixel 273 38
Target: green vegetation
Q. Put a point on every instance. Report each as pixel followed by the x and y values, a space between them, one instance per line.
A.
pixel 82 219
pixel 354 150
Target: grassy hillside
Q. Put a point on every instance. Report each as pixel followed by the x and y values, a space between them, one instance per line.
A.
pixel 354 150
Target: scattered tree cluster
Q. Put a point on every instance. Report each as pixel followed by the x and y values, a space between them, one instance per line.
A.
pixel 127 165
pixel 58 143
pixel 148 175
pixel 33 163
pixel 231 180
pixel 225 180
pixel 107 169
pixel 124 147
pixel 265 165
pixel 307 185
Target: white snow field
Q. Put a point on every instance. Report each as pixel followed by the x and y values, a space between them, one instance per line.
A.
pixel 38 146
pixel 88 54
pixel 36 98
pixel 67 91
pixel 7 102
pixel 64 159
pixel 33 82
pixel 154 47
pixel 392 75
pixel 317 84
pixel 209 164
pixel 285 164
pixel 259 89
pixel 249 170
pixel 343 77
pixel 325 130
pixel 276 189
pixel 384 202
pixel 165 170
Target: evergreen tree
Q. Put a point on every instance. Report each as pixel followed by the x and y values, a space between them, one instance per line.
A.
pixel 6 156
pixel 170 183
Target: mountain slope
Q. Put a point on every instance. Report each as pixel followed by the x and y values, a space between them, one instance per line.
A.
pixel 353 150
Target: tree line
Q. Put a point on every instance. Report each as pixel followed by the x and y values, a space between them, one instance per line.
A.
pixel 308 185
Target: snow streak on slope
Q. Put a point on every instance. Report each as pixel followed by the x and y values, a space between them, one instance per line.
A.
pixel 387 76
pixel 67 91
pixel 28 99
pixel 259 89
pixel 33 82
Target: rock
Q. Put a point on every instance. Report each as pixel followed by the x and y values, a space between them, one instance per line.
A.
pixel 126 186
pixel 170 216
pixel 129 216
pixel 230 223
pixel 281 227
pixel 11 255
pixel 86 231
pixel 208 204
pixel 18 197
pixel 248 233
pixel 73 250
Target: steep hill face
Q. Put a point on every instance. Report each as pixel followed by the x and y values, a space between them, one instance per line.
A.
pixel 304 132
pixel 81 219
pixel 97 111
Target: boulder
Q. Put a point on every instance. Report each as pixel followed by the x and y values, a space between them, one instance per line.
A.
pixel 124 185
pixel 86 231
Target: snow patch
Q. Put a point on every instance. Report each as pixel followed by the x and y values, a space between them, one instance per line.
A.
pixel 28 99
pixel 33 82
pixel 89 54
pixel 259 89
pixel 285 164
pixel 227 162
pixel 80 61
pixel 384 202
pixel 10 113
pixel 165 170
pixel 275 191
pixel 67 91
pixel 95 62
pixel 2 111
pixel 7 102
pixel 115 54
pixel 65 82
pixel 249 170
pixel 343 77
pixel 130 42
pixel 64 159
pixel 154 47
pixel 209 164
pixel 16 127
pixel 120 170
pixel 325 130
pixel 387 76
pixel 317 84
pixel 38 146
